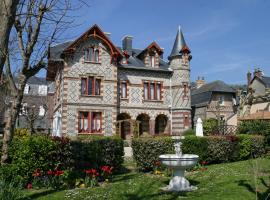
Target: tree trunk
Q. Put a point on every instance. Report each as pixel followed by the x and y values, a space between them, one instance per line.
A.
pixel 12 113
pixel 7 17
pixel 8 132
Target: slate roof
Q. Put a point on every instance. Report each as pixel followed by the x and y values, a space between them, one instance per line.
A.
pixel 266 81
pixel 202 95
pixel 133 61
pixel 179 43
pixel 55 51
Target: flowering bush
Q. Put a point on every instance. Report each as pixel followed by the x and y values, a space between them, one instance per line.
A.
pixel 39 152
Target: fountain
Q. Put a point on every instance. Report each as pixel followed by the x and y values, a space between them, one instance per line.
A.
pixel 179 162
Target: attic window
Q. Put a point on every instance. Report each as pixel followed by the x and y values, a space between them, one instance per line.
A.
pixel 152 59
pixel 91 55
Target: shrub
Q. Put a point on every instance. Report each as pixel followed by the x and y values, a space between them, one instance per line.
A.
pixel 195 145
pixel 97 151
pixel 10 187
pixel 39 153
pixel 213 149
pixel 189 132
pixel 22 132
pixel 210 126
pixel 258 127
pixel 147 150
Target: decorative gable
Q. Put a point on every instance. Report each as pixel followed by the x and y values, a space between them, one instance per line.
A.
pixel 151 55
pixel 97 33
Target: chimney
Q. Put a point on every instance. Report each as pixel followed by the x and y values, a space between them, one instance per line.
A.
pixel 107 34
pixel 257 72
pixel 127 44
pixel 200 82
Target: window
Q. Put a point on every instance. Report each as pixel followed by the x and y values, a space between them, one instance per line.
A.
pixel 26 89
pixel 185 89
pixel 186 121
pixel 123 89
pixel 90 86
pixel 89 122
pixel 41 111
pixel 145 91
pixel 42 90
pixel 152 91
pixel 221 100
pixel 152 61
pixel 91 55
pixel 24 109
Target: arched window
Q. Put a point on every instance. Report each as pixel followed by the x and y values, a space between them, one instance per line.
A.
pixel 89 55
pixel 96 59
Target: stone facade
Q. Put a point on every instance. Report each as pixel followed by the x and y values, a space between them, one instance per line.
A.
pixel 154 114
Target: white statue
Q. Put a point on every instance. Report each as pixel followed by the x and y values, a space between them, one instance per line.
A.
pixel 199 128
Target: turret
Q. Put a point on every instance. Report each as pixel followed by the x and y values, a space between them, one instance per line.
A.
pixel 180 84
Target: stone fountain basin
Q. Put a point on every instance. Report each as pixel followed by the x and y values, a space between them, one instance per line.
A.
pixel 183 161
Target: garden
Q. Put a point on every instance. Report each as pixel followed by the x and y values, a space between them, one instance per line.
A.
pixel 94 167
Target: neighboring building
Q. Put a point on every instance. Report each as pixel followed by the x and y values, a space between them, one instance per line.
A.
pixel 256 104
pixel 212 100
pixel 35 110
pixel 98 85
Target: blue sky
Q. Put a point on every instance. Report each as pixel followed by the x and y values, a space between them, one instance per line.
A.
pixel 226 37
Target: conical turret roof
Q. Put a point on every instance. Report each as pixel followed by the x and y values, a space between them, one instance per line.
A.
pixel 179 44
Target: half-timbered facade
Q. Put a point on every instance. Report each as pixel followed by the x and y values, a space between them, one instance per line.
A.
pixel 99 84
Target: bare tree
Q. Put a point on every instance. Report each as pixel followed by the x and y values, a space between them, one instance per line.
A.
pixel 35 110
pixel 37 25
pixel 7 16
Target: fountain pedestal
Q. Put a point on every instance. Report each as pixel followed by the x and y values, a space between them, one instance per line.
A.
pixel 179 182
pixel 179 163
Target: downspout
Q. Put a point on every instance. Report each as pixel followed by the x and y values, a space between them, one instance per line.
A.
pixel 171 105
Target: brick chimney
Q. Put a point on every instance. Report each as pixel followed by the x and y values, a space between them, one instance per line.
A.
pixel 200 82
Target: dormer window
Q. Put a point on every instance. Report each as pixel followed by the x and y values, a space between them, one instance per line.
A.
pixel 124 61
pixel 91 55
pixel 152 59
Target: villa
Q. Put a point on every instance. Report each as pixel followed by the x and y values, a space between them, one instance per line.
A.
pixel 104 89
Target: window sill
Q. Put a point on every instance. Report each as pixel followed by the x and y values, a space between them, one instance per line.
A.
pixel 158 101
pixel 91 62
pixel 97 96
pixel 89 133
pixel 124 99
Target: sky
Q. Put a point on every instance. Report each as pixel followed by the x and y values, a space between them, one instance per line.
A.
pixel 226 37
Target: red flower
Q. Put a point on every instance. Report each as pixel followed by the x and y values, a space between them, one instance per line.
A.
pixel 58 173
pixel 92 172
pixel 204 163
pixel 50 172
pixel 29 186
pixel 107 169
pixel 37 173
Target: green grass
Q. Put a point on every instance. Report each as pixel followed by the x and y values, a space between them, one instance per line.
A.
pixel 223 181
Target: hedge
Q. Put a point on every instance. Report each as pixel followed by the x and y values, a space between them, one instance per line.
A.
pixel 97 151
pixel 213 149
pixel 44 153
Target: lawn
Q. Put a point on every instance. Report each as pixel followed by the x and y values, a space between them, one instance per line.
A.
pixel 230 181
